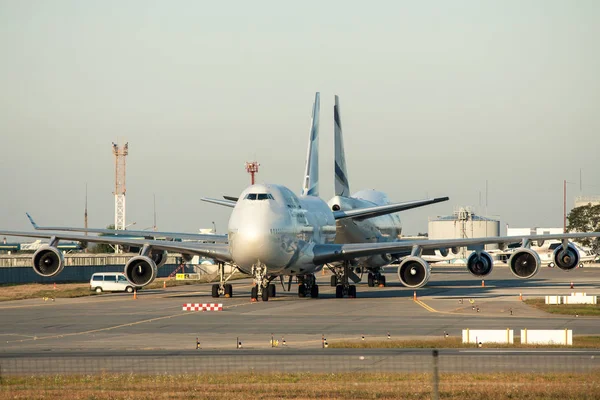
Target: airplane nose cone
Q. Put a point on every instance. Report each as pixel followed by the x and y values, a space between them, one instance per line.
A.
pixel 253 245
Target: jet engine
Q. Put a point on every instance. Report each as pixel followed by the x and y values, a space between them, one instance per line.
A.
pixel 414 272
pixel 480 264
pixel 159 258
pixel 48 261
pixel 140 270
pixel 524 263
pixel 568 259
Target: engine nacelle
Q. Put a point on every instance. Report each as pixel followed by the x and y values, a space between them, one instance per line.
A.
pixel 524 263
pixel 480 264
pixel 378 260
pixel 159 258
pixel 48 261
pixel 568 259
pixel 187 257
pixel 414 272
pixel 140 270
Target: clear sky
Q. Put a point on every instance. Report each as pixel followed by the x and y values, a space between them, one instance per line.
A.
pixel 436 98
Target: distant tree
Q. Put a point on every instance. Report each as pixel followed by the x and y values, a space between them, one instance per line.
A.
pixel 103 247
pixel 586 219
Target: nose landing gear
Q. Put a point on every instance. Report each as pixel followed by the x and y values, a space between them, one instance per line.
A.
pixel 262 286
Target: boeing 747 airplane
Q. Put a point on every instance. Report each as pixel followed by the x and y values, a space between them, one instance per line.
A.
pixel 273 232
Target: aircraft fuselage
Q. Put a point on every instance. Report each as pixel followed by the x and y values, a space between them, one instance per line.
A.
pixel 272 226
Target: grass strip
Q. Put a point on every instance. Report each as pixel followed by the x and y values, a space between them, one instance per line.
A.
pixel 565 309
pixel 493 386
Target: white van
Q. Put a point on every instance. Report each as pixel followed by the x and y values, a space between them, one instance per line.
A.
pixel 111 282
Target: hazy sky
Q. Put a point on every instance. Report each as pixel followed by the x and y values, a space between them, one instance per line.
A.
pixel 436 98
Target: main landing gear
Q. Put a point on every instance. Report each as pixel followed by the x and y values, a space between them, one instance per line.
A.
pixel 223 288
pixel 341 283
pixel 376 279
pixel 307 286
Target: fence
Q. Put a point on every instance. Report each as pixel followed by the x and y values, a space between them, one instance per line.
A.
pixel 331 373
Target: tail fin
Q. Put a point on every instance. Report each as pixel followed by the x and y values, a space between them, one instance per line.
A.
pixel 342 187
pixel 310 186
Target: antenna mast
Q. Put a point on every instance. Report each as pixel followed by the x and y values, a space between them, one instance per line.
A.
pixel 85 219
pixel 120 153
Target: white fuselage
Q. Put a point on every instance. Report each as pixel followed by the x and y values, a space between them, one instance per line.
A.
pixel 384 228
pixel 273 227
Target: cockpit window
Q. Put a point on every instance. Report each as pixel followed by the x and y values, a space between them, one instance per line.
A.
pixel 259 196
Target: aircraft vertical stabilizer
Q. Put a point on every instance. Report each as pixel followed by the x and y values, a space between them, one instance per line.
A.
pixel 342 186
pixel 310 186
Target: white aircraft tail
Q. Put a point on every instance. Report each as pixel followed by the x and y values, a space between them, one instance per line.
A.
pixel 342 186
pixel 310 186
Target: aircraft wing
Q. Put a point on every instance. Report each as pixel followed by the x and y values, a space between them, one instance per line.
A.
pixel 218 251
pixel 326 253
pixel 143 234
pixel 370 212
pixel 226 203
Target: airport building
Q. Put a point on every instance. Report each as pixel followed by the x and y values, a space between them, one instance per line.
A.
pixel 463 223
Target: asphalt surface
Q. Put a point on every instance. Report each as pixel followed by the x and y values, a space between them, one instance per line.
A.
pixel 114 331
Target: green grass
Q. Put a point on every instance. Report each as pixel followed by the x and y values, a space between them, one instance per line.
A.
pixel 242 386
pixel 565 309
pixel 588 342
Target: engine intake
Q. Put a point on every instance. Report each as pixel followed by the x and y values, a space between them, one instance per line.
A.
pixel 159 258
pixel 414 272
pixel 524 263
pixel 48 261
pixel 568 259
pixel 140 270
pixel 480 264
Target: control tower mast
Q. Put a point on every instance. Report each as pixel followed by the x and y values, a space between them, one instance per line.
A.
pixel 252 169
pixel 120 153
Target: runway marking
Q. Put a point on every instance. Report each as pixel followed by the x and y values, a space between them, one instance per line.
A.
pixel 425 306
pixel 110 328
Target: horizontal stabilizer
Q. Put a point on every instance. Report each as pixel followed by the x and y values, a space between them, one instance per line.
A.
pixel 226 203
pixel 370 212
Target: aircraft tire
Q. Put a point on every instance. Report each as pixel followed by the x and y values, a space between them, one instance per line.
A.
pixel 314 291
pixel 228 290
pixel 301 290
pixel 215 290
pixel 271 290
pixel 334 281
pixel 339 291
pixel 370 282
pixel 352 291
pixel 265 294
pixel 254 293
pixel 382 281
